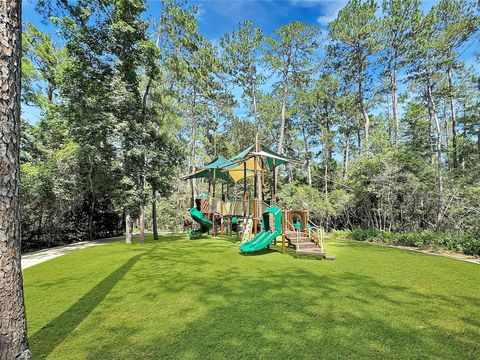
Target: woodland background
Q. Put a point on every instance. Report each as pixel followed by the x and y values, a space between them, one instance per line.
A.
pixel 381 108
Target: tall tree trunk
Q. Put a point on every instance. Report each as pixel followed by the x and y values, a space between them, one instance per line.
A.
pixel 92 201
pixel 255 118
pixel 366 118
pixel 13 329
pixel 325 180
pixel 446 124
pixel 326 152
pixel 128 228
pixel 154 214
pixel 454 118
pixel 50 90
pixel 346 156
pixel 143 155
pixel 258 148
pixel 290 173
pixel 441 197
pixel 359 137
pixel 478 142
pixel 307 154
pixel 431 143
pixel 191 157
pixel 281 139
pixel 141 219
pixel 395 103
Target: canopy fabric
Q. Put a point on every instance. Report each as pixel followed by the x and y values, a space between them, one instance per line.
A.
pixel 236 170
pixel 211 170
pixel 247 156
pixel 233 169
pixel 217 163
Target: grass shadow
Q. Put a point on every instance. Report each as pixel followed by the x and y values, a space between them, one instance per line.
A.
pixel 45 340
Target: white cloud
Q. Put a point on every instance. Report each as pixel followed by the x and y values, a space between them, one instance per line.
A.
pixel 308 3
pixel 200 12
pixel 330 11
pixel 328 8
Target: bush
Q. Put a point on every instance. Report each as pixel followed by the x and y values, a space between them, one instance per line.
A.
pixel 460 243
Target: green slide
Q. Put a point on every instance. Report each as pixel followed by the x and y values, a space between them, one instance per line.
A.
pixel 205 224
pixel 267 235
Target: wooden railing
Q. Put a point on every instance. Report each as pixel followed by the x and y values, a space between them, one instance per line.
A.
pixel 317 233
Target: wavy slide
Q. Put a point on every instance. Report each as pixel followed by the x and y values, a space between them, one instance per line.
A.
pixel 205 224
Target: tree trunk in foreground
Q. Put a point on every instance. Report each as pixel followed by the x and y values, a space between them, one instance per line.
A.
pixel 154 214
pixel 13 328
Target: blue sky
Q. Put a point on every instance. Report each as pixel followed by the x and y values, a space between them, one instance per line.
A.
pixel 216 17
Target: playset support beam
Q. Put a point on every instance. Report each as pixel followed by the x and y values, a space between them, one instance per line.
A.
pixel 284 220
pixel 273 185
pixel 244 190
pixel 305 220
pixel 255 196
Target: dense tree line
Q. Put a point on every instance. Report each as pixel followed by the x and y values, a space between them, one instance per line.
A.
pixel 381 107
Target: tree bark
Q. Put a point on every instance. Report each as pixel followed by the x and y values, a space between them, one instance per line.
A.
pixel 13 329
pixel 395 103
pixel 441 197
pixel 454 118
pixel 128 228
pixel 191 157
pixel 346 157
pixel 258 175
pixel 281 139
pixel 478 143
pixel 366 118
pixel 154 214
pixel 141 221
pixel 307 154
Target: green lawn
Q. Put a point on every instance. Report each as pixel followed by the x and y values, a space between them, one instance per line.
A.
pixel 200 299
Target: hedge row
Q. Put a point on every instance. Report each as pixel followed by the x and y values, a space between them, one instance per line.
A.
pixel 459 243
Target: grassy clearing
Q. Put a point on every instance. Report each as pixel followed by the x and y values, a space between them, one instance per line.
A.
pixel 184 299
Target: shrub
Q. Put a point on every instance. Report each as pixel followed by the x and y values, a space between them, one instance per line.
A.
pixel 466 244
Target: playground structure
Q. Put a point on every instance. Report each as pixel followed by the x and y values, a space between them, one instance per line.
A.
pixel 265 220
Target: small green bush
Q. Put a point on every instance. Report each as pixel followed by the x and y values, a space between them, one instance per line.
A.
pixel 460 243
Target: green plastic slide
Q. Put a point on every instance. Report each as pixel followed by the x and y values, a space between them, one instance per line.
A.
pixel 259 242
pixel 205 224
pixel 267 235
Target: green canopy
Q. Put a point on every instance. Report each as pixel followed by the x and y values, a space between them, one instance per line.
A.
pixel 245 160
pixel 211 170
pixel 273 158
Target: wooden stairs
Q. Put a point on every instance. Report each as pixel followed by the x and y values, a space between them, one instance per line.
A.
pixel 305 244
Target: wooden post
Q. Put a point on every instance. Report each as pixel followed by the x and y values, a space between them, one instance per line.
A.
pixel 273 184
pixel 283 229
pixel 244 190
pixel 221 211
pixel 213 183
pixel 255 196
pixel 305 219
pixel 263 180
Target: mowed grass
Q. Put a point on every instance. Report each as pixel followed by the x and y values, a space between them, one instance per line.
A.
pixel 200 299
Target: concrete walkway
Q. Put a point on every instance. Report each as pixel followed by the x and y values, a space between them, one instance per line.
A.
pixel 37 257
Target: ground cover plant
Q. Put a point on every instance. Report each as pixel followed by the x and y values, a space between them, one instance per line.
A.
pixel 201 299
pixel 466 244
